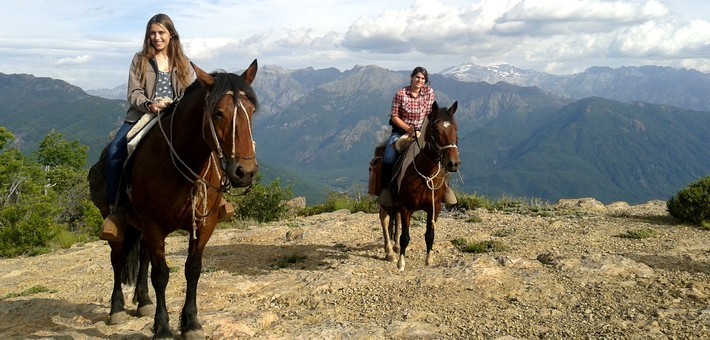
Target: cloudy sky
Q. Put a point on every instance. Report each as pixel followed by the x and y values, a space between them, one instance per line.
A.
pixel 90 43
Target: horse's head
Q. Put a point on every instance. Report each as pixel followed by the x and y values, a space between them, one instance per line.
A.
pixel 230 104
pixel 443 135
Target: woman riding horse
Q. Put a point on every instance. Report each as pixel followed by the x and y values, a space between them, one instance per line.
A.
pixel 410 106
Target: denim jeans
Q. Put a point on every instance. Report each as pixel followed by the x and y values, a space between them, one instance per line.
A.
pixel 115 157
pixel 390 151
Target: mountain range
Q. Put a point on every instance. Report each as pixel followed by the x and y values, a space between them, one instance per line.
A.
pixel 629 134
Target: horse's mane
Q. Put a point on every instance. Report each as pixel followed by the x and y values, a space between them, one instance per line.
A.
pixel 224 81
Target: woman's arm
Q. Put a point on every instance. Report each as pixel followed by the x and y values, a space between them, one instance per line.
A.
pixel 136 93
pixel 396 109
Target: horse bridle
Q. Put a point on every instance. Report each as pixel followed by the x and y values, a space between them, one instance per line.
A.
pixel 225 185
pixel 234 153
pixel 439 148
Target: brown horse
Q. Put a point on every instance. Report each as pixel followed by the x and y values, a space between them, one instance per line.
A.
pixel 196 152
pixel 423 183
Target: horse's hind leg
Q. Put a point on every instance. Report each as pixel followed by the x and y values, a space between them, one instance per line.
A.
pixel 404 238
pixel 141 297
pixel 118 314
pixel 396 229
pixel 386 223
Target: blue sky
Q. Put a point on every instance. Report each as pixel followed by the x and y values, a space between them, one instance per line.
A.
pixel 90 43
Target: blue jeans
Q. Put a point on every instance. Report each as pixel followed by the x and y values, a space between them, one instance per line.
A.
pixel 390 151
pixel 115 157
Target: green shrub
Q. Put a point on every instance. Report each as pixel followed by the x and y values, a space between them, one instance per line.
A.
pixel 639 234
pixel 264 203
pixel 478 247
pixel 472 202
pixel 338 201
pixel 28 228
pixel 692 204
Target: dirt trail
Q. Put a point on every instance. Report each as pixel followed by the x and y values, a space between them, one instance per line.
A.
pixel 568 275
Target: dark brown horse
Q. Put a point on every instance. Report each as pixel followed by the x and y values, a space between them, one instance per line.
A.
pixel 423 183
pixel 184 164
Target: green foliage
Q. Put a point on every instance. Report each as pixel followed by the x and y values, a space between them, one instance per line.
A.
pixel 472 202
pixel 288 260
pixel 639 234
pixel 263 203
pixel 29 291
pixel 505 203
pixel 692 204
pixel 5 137
pixel 44 203
pixel 28 228
pixel 54 151
pixel 337 201
pixel 478 247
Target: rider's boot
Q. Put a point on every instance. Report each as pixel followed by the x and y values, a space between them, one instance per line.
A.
pixel 113 227
pixel 225 210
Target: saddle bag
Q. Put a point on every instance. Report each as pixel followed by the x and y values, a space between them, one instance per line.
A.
pixel 374 185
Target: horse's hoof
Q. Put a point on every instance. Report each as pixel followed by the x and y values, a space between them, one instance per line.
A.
pixel 429 260
pixel 197 334
pixel 400 264
pixel 147 310
pixel 117 318
pixel 390 257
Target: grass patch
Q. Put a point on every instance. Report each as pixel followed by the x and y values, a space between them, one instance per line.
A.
pixel 288 260
pixel 29 291
pixel 504 232
pixel 474 219
pixel 479 247
pixel 639 234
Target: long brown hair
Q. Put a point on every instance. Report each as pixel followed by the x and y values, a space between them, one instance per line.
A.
pixel 175 53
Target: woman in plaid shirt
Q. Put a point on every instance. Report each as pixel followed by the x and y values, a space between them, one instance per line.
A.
pixel 410 105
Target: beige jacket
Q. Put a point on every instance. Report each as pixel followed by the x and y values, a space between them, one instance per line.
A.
pixel 139 97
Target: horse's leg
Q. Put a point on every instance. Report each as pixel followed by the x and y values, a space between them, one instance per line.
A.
pixel 145 304
pixel 405 215
pixel 397 226
pixel 117 314
pixel 429 238
pixel 189 324
pixel 159 274
pixel 385 222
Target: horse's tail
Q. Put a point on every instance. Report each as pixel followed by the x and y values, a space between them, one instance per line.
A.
pixel 132 249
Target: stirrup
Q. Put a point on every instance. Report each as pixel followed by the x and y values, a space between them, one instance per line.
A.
pixel 225 211
pixel 385 198
pixel 449 196
pixel 112 229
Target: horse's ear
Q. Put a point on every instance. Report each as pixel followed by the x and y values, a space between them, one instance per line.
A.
pixel 453 107
pixel 204 77
pixel 435 107
pixel 250 72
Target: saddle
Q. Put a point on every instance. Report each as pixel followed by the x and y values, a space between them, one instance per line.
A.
pixel 406 156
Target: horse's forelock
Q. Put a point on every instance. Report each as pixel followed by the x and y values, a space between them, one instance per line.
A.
pixel 225 82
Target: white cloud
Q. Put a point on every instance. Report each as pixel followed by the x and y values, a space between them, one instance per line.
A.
pixel 83 59
pixel 92 43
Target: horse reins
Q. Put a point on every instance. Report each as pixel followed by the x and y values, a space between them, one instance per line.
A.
pixel 429 180
pixel 200 183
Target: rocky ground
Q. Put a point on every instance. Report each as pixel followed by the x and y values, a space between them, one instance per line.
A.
pixel 568 273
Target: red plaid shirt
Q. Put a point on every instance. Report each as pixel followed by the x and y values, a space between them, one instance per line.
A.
pixel 412 110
